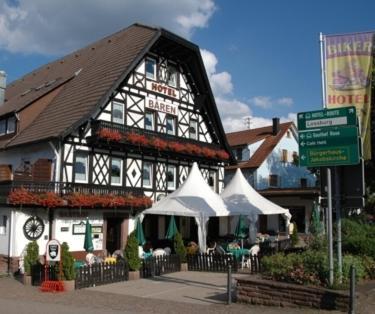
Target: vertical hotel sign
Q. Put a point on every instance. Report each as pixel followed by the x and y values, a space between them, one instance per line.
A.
pixel 348 63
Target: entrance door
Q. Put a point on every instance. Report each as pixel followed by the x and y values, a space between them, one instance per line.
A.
pixel 113 241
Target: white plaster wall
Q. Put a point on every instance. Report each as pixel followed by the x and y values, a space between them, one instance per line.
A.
pixel 289 174
pixel 4 238
pixel 76 241
pixel 20 242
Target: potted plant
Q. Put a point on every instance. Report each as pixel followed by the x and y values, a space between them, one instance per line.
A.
pixel 68 274
pixel 31 258
pixel 132 257
pixel 180 250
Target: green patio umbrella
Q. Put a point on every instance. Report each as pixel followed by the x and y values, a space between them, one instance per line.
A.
pixel 139 233
pixel 316 225
pixel 172 229
pixel 88 245
pixel 241 232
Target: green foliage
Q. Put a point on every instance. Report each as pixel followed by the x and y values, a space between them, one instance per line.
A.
pixel 358 237
pixel 318 243
pixel 369 265
pixel 67 260
pixel 31 257
pixel 294 235
pixel 179 247
pixel 131 252
pixel 357 262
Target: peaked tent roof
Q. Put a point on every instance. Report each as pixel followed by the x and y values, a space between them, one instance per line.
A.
pixel 241 198
pixel 252 136
pixel 194 198
pixel 89 78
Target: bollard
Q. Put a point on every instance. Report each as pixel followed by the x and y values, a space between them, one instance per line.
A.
pixel 352 290
pixel 229 285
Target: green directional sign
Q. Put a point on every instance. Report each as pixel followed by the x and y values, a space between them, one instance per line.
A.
pixel 345 116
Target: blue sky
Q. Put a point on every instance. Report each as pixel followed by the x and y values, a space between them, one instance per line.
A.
pixel 262 57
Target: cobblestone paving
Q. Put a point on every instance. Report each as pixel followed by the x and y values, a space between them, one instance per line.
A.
pixel 17 298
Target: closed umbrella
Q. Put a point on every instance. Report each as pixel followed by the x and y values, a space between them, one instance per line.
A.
pixel 316 225
pixel 88 245
pixel 241 232
pixel 172 228
pixel 139 233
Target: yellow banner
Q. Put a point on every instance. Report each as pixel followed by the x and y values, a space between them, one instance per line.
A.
pixel 348 60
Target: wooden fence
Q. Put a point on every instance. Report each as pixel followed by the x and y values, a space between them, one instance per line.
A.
pixel 101 274
pixel 159 265
pixel 39 272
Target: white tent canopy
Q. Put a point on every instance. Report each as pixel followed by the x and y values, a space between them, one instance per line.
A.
pixel 241 199
pixel 194 198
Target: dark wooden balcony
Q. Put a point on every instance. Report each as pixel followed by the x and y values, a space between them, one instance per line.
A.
pixel 123 144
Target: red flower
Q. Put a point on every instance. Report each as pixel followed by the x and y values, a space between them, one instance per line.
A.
pixel 159 143
pixel 137 139
pixel 110 135
pixel 49 200
pixel 222 154
pixel 21 196
pixel 176 147
pixel 193 149
pixel 208 152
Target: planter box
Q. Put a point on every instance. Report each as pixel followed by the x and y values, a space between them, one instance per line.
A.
pixel 27 280
pixel 274 293
pixel 134 275
pixel 69 285
pixel 184 266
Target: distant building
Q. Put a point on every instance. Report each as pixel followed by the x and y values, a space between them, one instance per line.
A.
pixel 268 158
pixel 102 133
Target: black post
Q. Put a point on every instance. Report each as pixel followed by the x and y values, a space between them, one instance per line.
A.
pixel 229 284
pixel 352 290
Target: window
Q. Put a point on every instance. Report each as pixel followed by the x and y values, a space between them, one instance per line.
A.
pixel 172 76
pixel 3 224
pixel 284 156
pixel 171 125
pixel 274 180
pixel 116 171
pixel 212 180
pixel 118 113
pixel 151 69
pixel 81 166
pixel 193 132
pixel 171 177
pixel 150 120
pixel 147 174
pixel 288 134
pixel 11 127
pixel 239 153
pixel 2 127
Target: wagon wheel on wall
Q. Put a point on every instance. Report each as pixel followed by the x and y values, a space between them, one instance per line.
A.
pixel 33 228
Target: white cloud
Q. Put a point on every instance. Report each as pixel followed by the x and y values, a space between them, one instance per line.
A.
pixel 57 27
pixel 267 102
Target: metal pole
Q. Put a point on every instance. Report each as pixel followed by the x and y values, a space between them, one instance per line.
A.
pixel 338 223
pixel 229 285
pixel 329 214
pixel 329 186
pixel 352 290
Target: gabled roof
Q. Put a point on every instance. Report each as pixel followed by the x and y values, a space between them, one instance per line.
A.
pixel 247 137
pixel 88 78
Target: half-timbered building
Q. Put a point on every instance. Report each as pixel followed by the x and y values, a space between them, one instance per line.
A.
pixel 102 133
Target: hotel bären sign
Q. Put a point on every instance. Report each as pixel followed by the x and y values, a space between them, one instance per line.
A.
pixel 161 105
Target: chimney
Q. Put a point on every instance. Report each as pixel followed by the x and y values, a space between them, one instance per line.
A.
pixel 3 79
pixel 275 126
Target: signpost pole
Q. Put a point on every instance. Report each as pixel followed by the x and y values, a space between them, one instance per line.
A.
pixel 338 222
pixel 329 216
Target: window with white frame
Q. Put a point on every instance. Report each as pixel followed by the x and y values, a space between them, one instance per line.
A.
pixel 172 76
pixel 147 174
pixel 81 167
pixel 3 224
pixel 151 68
pixel 171 125
pixel 11 125
pixel 193 130
pixel 116 171
pixel 149 120
pixel 171 177
pixel 212 180
pixel 118 112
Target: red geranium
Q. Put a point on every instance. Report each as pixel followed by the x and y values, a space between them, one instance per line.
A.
pixel 49 200
pixel 110 135
pixel 176 147
pixel 222 154
pixel 159 143
pixel 208 152
pixel 137 139
pixel 21 196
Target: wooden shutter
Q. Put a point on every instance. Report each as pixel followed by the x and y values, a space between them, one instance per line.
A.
pixel 41 170
pixel 5 172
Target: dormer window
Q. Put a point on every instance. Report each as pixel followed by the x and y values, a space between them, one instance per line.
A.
pixel 11 127
pixel 151 69
pixel 7 125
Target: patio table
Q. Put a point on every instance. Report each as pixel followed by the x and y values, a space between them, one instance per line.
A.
pixel 238 253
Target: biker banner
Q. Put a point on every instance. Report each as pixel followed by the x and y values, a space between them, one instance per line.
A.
pixel 348 76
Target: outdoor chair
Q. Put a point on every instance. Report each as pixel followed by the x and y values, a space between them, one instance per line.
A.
pixel 255 249
pixel 211 250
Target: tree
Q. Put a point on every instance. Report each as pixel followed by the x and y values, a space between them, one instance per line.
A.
pixel 32 256
pixel 179 247
pixel 67 260
pixel 131 252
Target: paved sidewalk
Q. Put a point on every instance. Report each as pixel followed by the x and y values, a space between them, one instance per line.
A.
pixel 182 293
